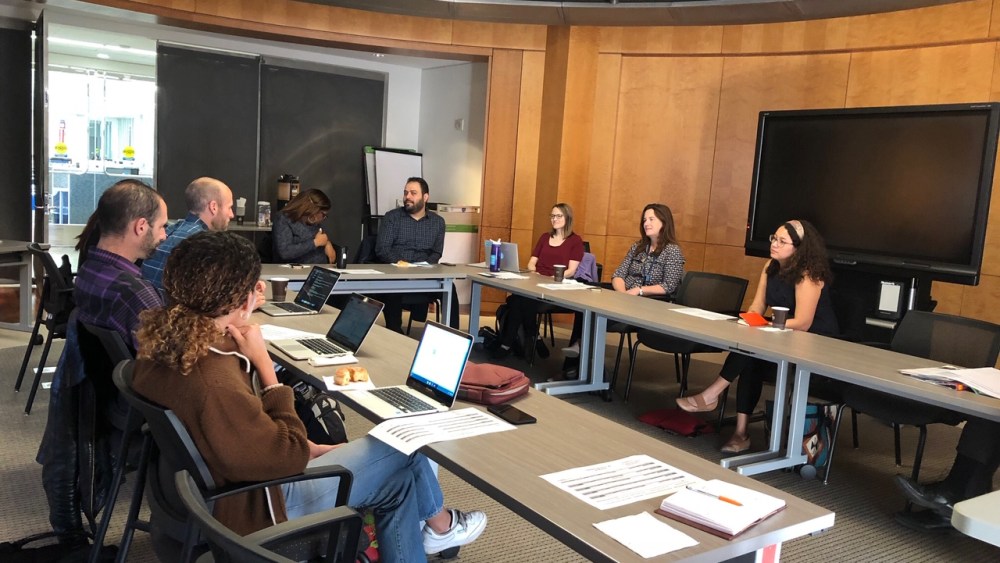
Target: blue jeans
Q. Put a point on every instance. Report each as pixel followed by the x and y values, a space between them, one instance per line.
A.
pixel 401 490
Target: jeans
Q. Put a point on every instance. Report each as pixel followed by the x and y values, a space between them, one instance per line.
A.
pixel 401 491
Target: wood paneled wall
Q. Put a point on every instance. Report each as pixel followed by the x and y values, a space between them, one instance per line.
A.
pixel 669 114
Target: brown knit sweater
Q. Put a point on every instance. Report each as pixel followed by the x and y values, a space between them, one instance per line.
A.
pixel 242 437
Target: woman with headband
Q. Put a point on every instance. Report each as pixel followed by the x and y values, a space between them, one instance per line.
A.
pixel 797 277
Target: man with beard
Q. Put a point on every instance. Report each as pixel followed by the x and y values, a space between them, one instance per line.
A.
pixel 412 234
pixel 129 223
pixel 131 220
pixel 210 208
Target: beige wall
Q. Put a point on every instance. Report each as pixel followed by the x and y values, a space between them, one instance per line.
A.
pixel 619 117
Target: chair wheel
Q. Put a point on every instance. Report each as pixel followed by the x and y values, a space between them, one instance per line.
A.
pixel 607 395
pixel 450 553
pixel 807 472
pixel 38 340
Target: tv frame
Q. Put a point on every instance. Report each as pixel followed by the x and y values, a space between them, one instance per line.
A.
pixel 967 274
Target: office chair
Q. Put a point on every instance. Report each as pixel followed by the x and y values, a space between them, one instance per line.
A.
pixel 53 312
pixel 168 448
pixel 102 349
pixel 329 536
pixel 703 290
pixel 944 338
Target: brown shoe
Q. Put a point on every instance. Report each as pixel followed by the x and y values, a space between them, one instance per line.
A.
pixel 736 445
pixel 696 403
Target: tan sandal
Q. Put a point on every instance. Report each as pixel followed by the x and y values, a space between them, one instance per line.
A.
pixel 696 403
pixel 736 445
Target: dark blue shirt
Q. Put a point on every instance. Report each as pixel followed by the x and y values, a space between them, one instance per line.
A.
pixel 152 267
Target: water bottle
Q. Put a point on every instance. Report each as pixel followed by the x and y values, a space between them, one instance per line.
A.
pixel 495 256
pixel 342 258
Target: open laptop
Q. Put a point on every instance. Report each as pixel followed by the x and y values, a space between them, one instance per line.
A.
pixel 345 336
pixel 310 299
pixel 508 258
pixel 433 380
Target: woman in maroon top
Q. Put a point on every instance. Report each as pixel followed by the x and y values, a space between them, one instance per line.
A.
pixel 560 246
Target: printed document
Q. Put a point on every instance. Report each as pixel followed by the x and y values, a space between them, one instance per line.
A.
pixel 646 535
pixel 702 313
pixel 409 434
pixel 621 482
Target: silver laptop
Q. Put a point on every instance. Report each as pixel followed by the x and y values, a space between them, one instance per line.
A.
pixel 433 381
pixel 310 299
pixel 508 258
pixel 345 336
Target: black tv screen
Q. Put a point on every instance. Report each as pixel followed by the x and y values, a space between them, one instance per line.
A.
pixel 898 188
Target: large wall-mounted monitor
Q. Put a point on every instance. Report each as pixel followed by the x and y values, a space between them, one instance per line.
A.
pixel 903 189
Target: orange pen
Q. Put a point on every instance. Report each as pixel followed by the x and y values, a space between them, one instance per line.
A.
pixel 713 495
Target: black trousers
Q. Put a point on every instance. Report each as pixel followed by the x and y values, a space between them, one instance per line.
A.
pixel 522 312
pixel 417 302
pixel 752 372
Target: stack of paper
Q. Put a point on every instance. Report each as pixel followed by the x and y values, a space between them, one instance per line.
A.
pixel 720 508
pixel 985 381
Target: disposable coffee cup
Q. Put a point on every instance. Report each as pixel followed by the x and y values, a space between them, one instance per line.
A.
pixel 278 288
pixel 778 316
pixel 560 272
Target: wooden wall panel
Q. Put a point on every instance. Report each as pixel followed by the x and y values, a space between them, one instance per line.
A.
pixel 602 145
pixel 665 139
pixel 503 97
pixel 505 36
pixel 812 35
pixel 929 75
pixel 750 85
pixel 995 20
pixel 982 301
pixel 962 21
pixel 680 40
pixel 528 126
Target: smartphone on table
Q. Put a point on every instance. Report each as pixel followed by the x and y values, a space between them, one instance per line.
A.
pixel 511 414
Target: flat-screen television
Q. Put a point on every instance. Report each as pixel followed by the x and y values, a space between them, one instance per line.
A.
pixel 903 189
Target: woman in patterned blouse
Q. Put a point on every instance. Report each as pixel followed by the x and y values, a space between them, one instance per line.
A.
pixel 653 266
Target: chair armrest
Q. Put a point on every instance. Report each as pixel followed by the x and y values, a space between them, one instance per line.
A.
pixel 280 534
pixel 343 487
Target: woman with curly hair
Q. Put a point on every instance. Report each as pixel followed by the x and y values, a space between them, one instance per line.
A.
pixel 798 277
pixel 297 235
pixel 202 358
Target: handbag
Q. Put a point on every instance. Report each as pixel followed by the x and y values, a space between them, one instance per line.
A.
pixel 490 384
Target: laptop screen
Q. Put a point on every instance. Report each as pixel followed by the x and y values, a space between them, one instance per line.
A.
pixel 317 288
pixel 354 322
pixel 440 360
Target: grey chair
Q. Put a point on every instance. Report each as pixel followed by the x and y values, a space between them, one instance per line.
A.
pixel 948 339
pixel 330 536
pixel 703 290
pixel 53 313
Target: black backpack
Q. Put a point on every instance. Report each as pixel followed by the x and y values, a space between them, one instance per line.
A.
pixel 321 414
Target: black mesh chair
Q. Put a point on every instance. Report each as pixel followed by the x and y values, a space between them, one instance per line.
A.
pixel 944 338
pixel 329 536
pixel 168 448
pixel 53 312
pixel 103 349
pixel 703 290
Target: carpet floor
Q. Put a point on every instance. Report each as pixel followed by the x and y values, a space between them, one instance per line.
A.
pixel 861 491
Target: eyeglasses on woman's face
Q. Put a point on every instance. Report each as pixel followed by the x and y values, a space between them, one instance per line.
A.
pixel 778 241
pixel 556 216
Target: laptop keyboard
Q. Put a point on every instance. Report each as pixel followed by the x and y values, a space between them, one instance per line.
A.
pixel 323 347
pixel 291 307
pixel 401 399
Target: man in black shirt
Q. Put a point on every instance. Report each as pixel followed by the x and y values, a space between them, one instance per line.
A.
pixel 411 234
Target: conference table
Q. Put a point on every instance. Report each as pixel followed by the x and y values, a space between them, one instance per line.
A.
pixel 436 279
pixel 14 253
pixel 979 518
pixel 507 465
pixel 810 354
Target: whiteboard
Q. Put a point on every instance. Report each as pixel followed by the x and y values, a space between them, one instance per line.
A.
pixel 392 168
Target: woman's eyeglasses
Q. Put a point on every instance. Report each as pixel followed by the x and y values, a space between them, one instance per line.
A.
pixel 777 241
pixel 554 217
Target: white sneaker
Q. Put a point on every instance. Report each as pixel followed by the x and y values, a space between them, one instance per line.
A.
pixel 465 528
pixel 572 351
